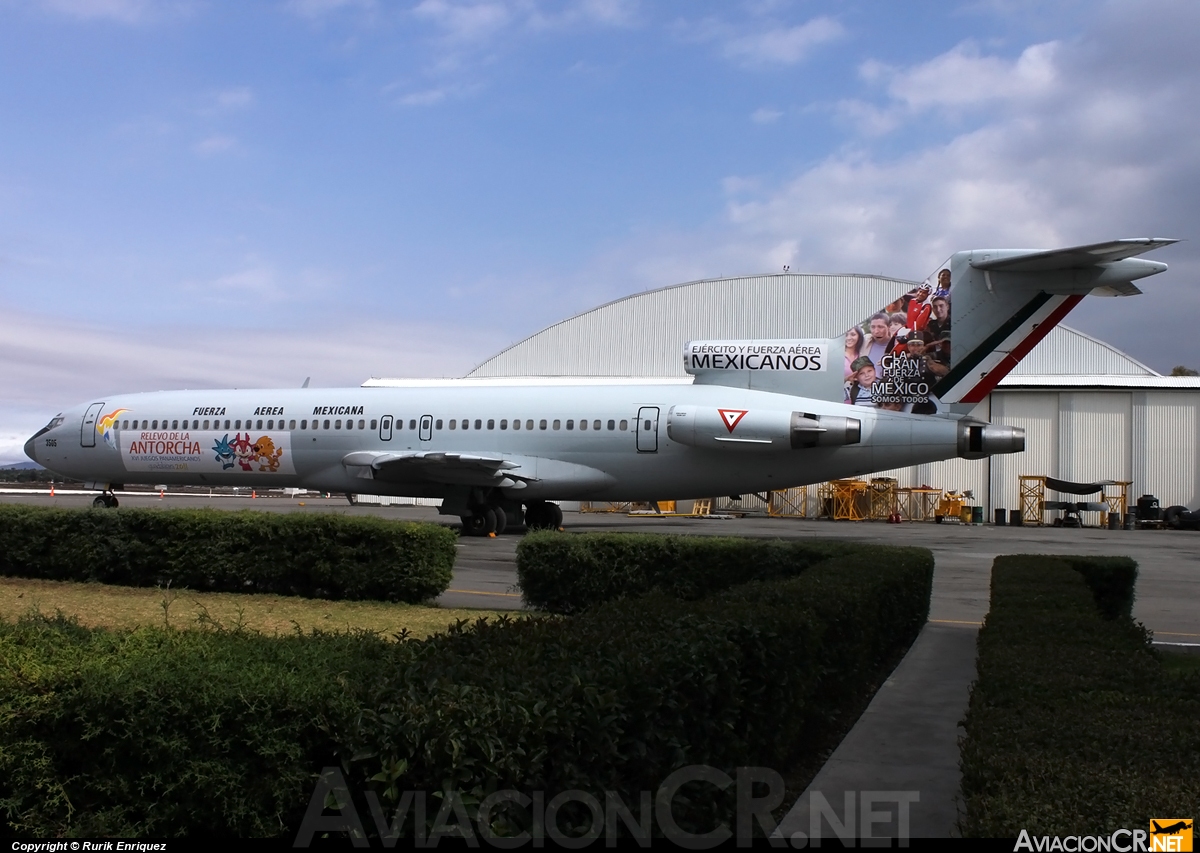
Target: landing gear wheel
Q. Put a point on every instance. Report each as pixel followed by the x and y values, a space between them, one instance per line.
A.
pixel 501 519
pixel 480 523
pixel 542 515
pixel 99 502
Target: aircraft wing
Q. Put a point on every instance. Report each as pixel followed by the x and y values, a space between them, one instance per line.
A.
pixel 1075 257
pixel 435 466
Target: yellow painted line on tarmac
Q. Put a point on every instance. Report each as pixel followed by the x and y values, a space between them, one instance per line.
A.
pixel 479 592
pixel 954 622
pixel 1173 634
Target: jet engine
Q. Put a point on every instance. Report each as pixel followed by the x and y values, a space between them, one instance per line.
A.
pixel 758 429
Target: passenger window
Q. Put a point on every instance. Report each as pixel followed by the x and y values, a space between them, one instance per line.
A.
pixel 612 425
pixel 557 424
pixel 412 424
pixel 583 424
pixel 259 426
pixel 270 424
pixel 595 424
pixel 491 423
pixel 326 425
pixel 291 425
pixel 303 424
pixel 237 424
pixel 337 424
pixel 205 424
pixel 374 424
pixel 528 424
pixel 516 423
pixel 504 423
pixel 542 424
pixel 624 425
pixel 155 425
pixel 571 424
pixel 452 422
pixel 478 424
pixel 363 424
pixel 438 425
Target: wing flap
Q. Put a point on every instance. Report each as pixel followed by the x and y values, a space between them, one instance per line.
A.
pixel 438 466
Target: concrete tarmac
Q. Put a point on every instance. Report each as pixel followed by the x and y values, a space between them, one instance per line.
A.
pixel 896 772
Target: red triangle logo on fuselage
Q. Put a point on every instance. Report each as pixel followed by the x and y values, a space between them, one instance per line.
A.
pixel 731 417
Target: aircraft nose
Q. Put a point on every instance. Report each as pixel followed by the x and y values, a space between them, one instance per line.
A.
pixel 29 449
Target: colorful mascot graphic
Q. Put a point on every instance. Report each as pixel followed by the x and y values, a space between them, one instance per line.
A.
pixel 246 454
pixel 107 426
pixel 225 454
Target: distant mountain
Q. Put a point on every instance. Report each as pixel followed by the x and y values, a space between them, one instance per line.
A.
pixel 20 466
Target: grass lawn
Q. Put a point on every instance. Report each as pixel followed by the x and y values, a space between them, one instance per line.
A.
pixel 108 606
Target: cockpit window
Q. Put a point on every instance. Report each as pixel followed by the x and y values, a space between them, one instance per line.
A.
pixel 57 420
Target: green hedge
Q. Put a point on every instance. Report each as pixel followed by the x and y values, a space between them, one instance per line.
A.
pixel 1074 727
pixel 159 733
pixel 567 573
pixel 316 556
pixel 618 697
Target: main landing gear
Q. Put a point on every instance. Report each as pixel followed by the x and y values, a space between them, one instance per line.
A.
pixel 495 519
pixel 106 501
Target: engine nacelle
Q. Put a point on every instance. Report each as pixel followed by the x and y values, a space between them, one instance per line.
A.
pixel 979 440
pixel 758 429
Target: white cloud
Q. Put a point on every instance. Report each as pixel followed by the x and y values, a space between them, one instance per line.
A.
pixel 765 115
pixel 47 365
pixel 320 8
pixel 465 22
pixel 1074 146
pixel 422 99
pixel 236 98
pixel 783 45
pixel 218 143
pixel 121 11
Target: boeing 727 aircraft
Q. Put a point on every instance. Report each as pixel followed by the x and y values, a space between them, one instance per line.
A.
pixel 758 416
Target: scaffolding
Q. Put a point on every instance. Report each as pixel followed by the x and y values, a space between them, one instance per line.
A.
pixel 849 500
pixel 919 503
pixel 882 494
pixel 605 506
pixel 1033 499
pixel 789 503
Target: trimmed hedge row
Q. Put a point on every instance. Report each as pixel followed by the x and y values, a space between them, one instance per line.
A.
pixel 315 556
pixel 617 698
pixel 159 733
pixel 164 733
pixel 567 573
pixel 1073 725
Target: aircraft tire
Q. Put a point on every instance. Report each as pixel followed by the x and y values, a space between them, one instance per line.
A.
pixel 501 519
pixel 99 502
pixel 535 515
pixel 1173 516
pixel 480 523
pixel 555 513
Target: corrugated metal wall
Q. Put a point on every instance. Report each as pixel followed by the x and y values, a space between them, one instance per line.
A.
pixel 1164 440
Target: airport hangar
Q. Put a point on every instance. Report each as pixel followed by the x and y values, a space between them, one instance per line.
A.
pixel 1090 412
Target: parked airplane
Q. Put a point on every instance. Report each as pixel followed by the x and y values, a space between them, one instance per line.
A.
pixel 758 415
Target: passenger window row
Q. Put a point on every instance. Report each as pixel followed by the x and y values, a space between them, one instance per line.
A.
pixel 454 424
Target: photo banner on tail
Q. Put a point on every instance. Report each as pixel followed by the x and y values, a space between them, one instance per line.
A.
pixel 894 358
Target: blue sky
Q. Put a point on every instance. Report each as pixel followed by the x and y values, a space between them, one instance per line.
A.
pixel 205 194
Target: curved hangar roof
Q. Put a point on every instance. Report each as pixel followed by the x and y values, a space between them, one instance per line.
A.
pixel 644 334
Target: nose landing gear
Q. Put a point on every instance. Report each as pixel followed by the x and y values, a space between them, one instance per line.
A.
pixel 106 501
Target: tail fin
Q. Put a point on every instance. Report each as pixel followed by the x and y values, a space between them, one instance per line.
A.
pixel 1006 301
pixel 920 356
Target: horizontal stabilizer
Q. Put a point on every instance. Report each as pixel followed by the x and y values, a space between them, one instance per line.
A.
pixel 1075 257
